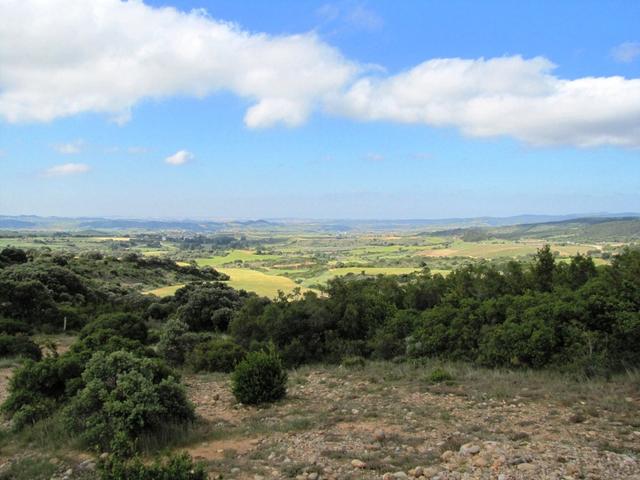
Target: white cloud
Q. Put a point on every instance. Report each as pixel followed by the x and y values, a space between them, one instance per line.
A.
pixel 179 158
pixel 125 52
pixel 626 52
pixel 70 148
pixel 508 96
pixel 66 169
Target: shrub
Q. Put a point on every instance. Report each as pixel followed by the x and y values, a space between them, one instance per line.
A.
pixel 216 355
pixel 390 340
pixel 19 346
pixel 124 324
pixel 124 397
pixel 38 388
pixel 440 375
pixel 175 467
pixel 171 346
pixel 12 256
pixel 207 306
pixel 109 341
pixel 11 327
pixel 353 362
pixel 259 378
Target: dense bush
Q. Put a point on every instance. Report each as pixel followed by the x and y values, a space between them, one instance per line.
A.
pixel 216 355
pixel 37 389
pixel 124 397
pixel 27 300
pixel 259 378
pixel 175 467
pixel 207 306
pixel 50 290
pixel 12 327
pixel 389 341
pixel 19 346
pixel 12 256
pixel 172 346
pixel 125 325
pixel 546 314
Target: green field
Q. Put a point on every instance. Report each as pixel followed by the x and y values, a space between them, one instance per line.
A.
pixel 268 262
pixel 235 256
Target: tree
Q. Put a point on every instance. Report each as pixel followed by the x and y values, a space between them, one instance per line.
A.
pixel 543 269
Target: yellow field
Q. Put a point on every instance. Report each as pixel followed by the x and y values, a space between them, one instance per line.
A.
pixel 246 279
pixel 165 291
pixel 258 282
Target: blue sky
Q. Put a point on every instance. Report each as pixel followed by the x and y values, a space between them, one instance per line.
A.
pixel 371 140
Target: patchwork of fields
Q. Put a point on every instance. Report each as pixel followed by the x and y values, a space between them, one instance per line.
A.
pixel 272 262
pixel 308 262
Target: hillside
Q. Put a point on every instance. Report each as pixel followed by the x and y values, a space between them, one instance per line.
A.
pixel 589 229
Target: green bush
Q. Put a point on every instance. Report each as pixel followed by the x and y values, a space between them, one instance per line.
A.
pixel 216 355
pixel 353 362
pixel 207 306
pixel 259 378
pixel 171 346
pixel 19 346
pixel 124 324
pixel 108 341
pixel 389 341
pixel 11 327
pixel 124 397
pixel 440 375
pixel 175 467
pixel 38 388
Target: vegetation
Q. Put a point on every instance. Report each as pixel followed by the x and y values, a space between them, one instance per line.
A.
pixel 116 388
pixel 216 355
pixel 125 396
pixel 176 467
pixel 259 378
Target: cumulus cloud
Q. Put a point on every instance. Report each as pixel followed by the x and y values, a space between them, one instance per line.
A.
pixel 70 148
pixel 67 57
pixel 179 158
pixel 509 96
pixel 66 169
pixel 626 52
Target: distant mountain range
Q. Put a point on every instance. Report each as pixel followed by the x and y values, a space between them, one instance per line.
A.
pixel 524 223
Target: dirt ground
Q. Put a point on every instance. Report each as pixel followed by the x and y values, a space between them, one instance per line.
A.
pixel 340 423
pixel 388 421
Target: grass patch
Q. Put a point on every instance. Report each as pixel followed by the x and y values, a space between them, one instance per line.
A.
pixel 29 469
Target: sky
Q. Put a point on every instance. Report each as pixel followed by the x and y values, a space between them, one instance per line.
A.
pixel 316 109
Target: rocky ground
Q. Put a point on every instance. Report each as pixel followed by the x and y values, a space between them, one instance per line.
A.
pixel 390 421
